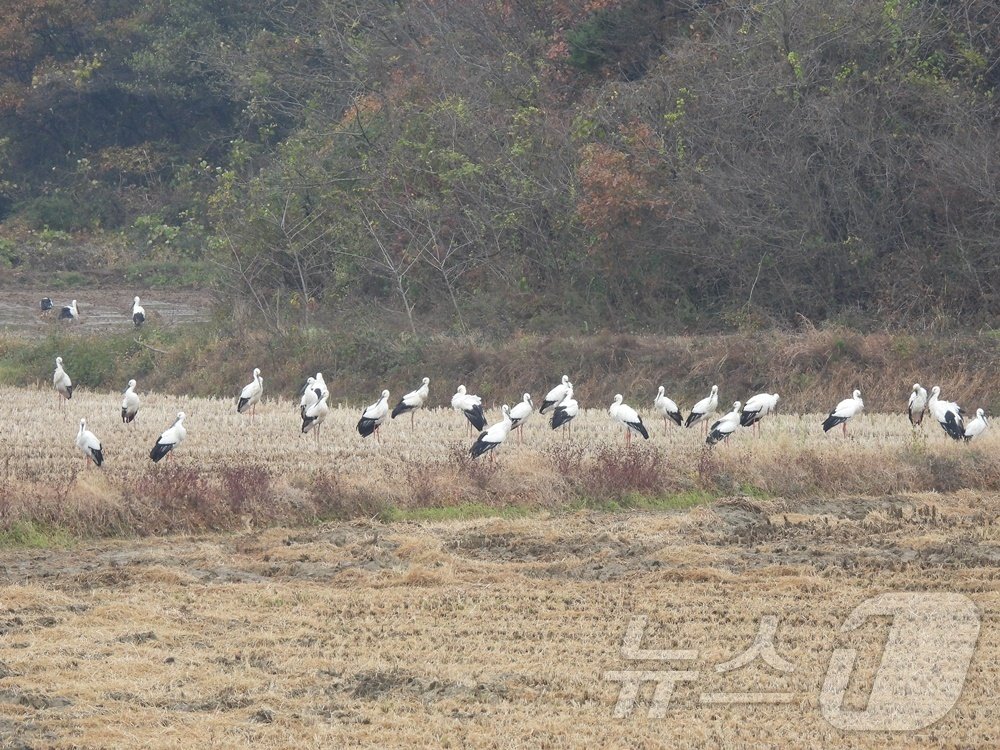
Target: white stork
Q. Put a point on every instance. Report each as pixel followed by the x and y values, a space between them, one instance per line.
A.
pixel 138 313
pixel 565 411
pixel 87 442
pixel 310 395
pixel 756 408
pixel 373 416
pixel 471 406
pixel 169 439
pixel 412 401
pixel 556 395
pixel 46 305
pixel 130 403
pixel 490 439
pixel 917 404
pixel 61 381
pixel 312 418
pixel 725 426
pixel 705 408
pixel 947 413
pixel 977 426
pixel 846 409
pixel 520 413
pixel 70 312
pixel 250 395
pixel 629 417
pixel 667 407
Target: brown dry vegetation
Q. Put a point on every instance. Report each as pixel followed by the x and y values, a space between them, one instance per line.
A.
pixel 486 633
pixel 811 368
pixel 490 632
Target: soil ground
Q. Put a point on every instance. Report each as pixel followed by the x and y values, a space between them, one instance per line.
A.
pixel 484 633
pixel 100 309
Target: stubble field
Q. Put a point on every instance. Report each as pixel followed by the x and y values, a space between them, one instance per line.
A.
pixel 388 617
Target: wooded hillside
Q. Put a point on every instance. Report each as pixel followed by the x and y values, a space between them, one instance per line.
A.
pixel 625 164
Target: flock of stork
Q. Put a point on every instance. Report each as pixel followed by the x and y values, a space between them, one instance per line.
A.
pixel 559 402
pixel 71 312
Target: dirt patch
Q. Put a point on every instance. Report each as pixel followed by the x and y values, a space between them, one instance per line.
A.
pixel 100 309
pixel 317 636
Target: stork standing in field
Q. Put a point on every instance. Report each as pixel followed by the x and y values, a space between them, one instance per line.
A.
pixel 310 395
pixel 373 417
pixel 947 413
pixel 250 395
pixel 565 412
pixel 917 405
pixel 704 409
pixel 130 403
pixel 70 312
pixel 977 426
pixel 520 413
pixel 46 305
pixel 557 394
pixel 61 381
pixel 756 408
pixel 169 439
pixel 490 440
pixel 625 415
pixel 846 409
pixel 412 401
pixel 722 428
pixel 312 418
pixel 667 408
pixel 471 406
pixel 88 443
pixel 138 313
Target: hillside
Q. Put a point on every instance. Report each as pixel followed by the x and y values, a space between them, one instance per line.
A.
pixel 457 166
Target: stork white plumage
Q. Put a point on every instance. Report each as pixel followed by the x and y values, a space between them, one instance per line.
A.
pixel 138 313
pixel 520 413
pixel 88 443
pixel 667 407
pixel 947 413
pixel 490 439
pixel 556 395
pixel 318 382
pixel 846 409
pixel 565 412
pixel 250 395
pixel 704 409
pixel 471 406
pixel 61 381
pixel 70 312
pixel 130 403
pixel 917 404
pixel 977 426
pixel 169 439
pixel 725 426
pixel 313 416
pixel 373 417
pixel 756 408
pixel 625 415
pixel 412 401
pixel 309 396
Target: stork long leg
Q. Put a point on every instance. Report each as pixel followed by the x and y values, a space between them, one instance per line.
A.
pixel 412 413
pixel 844 426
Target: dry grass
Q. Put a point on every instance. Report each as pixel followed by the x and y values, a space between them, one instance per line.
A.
pixel 231 474
pixel 487 633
